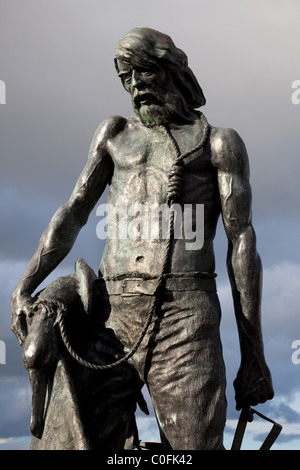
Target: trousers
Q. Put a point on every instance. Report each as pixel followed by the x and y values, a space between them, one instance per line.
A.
pixel 179 359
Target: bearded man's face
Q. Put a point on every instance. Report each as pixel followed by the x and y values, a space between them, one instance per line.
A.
pixel 154 98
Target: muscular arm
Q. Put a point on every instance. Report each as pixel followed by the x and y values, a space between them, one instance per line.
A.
pixel 61 233
pixel 253 383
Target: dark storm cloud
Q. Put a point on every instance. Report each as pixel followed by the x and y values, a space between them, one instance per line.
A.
pixel 15 412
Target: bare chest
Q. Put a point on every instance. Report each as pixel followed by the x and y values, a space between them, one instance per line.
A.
pixel 143 159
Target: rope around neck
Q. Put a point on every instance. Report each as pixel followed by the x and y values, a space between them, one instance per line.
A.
pixel 173 194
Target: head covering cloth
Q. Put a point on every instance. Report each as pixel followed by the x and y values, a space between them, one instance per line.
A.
pixel 146 47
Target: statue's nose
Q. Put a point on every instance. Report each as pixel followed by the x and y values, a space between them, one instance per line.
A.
pixel 136 80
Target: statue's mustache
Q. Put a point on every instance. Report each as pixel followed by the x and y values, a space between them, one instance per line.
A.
pixel 147 97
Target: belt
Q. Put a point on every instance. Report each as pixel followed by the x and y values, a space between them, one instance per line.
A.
pixel 139 285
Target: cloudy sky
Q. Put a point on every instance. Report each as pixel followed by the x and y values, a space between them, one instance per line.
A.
pixel 56 60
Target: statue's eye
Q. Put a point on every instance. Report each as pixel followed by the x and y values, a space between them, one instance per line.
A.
pixel 147 73
pixel 127 78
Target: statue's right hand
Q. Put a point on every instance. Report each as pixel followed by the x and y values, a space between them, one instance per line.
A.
pixel 21 308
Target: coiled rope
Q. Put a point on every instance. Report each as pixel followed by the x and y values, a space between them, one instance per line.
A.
pixel 173 194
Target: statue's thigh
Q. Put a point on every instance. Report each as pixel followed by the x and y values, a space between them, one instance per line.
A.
pixel 107 401
pixel 186 374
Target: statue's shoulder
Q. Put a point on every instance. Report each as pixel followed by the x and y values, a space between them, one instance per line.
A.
pixel 228 151
pixel 105 132
pixel 110 127
pixel 113 131
pixel 114 125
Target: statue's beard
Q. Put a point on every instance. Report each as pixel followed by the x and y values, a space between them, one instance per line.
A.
pixel 163 109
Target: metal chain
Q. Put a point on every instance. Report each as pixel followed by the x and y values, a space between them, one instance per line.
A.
pixel 173 193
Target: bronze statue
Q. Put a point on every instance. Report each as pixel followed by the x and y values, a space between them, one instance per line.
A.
pixel 151 315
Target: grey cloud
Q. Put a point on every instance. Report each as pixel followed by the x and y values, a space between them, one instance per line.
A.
pixel 285 412
pixel 18 443
pixel 283 438
pixel 15 407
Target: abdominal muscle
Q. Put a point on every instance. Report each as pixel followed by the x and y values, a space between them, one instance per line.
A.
pixel 138 239
pixel 138 243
